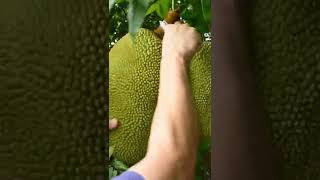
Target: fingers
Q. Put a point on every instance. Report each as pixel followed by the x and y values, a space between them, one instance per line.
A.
pixel 180 25
pixel 181 22
pixel 113 123
pixel 177 23
pixel 165 27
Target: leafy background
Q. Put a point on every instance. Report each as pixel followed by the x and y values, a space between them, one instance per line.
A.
pixel 130 15
pixel 127 16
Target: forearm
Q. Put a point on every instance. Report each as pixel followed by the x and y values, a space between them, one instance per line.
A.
pixel 174 131
pixel 175 98
pixel 241 148
pixel 173 139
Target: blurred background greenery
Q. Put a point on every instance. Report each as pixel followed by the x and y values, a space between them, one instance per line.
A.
pixel 197 13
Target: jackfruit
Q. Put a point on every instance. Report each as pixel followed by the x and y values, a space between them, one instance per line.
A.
pixel 133 89
pixel 52 89
pixel 286 61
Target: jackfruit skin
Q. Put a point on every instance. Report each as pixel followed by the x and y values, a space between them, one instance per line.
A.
pixel 52 90
pixel 286 59
pixel 200 79
pixel 133 90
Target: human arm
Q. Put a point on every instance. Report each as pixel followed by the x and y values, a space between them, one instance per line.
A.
pixel 174 134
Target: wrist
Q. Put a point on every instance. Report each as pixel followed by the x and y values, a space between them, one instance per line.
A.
pixel 175 62
pixel 176 58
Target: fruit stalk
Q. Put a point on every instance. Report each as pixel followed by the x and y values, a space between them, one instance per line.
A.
pixel 171 18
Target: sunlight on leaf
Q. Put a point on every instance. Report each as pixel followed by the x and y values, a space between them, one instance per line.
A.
pixel 111 150
pixel 206 10
pixel 110 172
pixel 115 173
pixel 120 165
pixel 153 8
pixel 111 3
pixel 164 6
pixel 136 13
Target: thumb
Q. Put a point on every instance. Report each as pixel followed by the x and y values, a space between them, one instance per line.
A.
pixel 113 123
pixel 163 25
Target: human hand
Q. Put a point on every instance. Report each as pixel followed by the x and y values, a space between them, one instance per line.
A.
pixel 113 124
pixel 180 41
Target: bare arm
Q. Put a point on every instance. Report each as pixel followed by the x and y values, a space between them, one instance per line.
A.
pixel 174 132
pixel 241 149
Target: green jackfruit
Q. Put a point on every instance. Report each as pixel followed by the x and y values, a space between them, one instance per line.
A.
pixel 133 89
pixel 286 60
pixel 52 89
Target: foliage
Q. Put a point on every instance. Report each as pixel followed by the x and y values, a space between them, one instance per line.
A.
pixel 115 166
pixel 203 166
pixel 130 15
pixel 119 22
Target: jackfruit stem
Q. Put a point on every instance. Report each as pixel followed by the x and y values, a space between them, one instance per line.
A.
pixel 171 18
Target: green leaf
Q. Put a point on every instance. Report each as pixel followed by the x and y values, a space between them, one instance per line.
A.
pixel 120 1
pixel 193 14
pixel 206 10
pixel 205 144
pixel 161 7
pixel 120 165
pixel 187 15
pixel 136 13
pixel 111 2
pixel 115 173
pixel 110 172
pixel 164 8
pixel 154 7
pixel 203 150
pixel 111 150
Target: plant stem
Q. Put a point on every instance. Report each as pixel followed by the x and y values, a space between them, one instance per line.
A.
pixel 172 4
